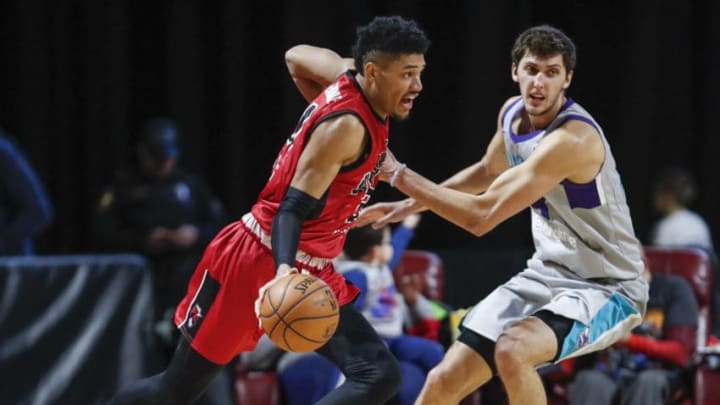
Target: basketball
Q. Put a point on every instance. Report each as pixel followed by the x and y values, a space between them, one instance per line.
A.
pixel 299 312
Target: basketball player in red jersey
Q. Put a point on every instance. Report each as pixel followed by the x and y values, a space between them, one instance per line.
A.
pixel 321 179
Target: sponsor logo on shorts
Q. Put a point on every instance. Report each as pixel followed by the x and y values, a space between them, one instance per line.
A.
pixel 195 314
pixel 200 305
pixel 584 337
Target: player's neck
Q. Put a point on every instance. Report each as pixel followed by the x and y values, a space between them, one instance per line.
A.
pixel 536 122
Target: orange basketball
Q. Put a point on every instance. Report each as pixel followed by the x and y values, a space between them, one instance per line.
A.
pixel 299 312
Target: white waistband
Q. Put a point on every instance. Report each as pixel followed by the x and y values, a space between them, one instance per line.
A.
pixel 304 258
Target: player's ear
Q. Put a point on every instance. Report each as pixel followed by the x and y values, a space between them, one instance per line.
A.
pixel 370 69
pixel 513 72
pixel 568 79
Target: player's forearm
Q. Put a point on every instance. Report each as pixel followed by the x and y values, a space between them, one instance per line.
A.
pixel 460 208
pixel 473 179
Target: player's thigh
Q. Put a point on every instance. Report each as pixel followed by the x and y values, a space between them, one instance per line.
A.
pixel 463 368
pixel 532 341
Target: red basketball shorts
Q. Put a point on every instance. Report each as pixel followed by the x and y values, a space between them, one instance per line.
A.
pixel 217 314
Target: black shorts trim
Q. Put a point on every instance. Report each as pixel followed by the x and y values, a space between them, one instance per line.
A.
pixel 482 345
pixel 199 306
pixel 560 326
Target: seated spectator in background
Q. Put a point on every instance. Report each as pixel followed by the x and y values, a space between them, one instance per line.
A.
pixel 161 211
pixel 673 193
pixel 25 209
pixel 368 255
pixel 647 365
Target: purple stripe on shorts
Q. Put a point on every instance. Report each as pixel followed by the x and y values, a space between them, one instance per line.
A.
pixel 582 195
pixel 540 204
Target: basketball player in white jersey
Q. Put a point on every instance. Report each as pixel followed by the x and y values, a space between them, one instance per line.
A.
pixel 582 288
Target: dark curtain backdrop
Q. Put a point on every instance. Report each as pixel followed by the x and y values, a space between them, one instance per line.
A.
pixel 79 77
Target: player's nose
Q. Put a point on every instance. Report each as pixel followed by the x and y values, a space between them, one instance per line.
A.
pixel 416 84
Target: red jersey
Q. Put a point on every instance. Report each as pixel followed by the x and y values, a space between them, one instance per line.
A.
pixel 350 191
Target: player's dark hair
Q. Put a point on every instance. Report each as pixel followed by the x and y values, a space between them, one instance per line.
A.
pixel 393 36
pixel 361 240
pixel 678 182
pixel 545 41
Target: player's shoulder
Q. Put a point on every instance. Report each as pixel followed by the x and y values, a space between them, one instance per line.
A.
pixel 509 101
pixel 506 105
pixel 580 130
pixel 345 130
pixel 344 121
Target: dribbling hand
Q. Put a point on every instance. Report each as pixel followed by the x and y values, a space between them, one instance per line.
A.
pixel 281 272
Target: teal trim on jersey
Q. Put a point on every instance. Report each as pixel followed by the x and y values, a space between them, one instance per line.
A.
pixel 616 310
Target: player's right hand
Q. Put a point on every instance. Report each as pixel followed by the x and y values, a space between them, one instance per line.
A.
pixel 281 272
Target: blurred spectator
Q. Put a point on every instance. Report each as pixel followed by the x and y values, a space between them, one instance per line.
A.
pixel 25 209
pixel 673 193
pixel 647 365
pixel 160 210
pixel 169 215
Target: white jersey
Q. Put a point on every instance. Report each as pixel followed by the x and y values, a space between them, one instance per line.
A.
pixel 587 265
pixel 585 228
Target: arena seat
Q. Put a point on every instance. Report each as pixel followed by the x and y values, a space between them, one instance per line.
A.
pixel 256 387
pixel 429 266
pixel 432 273
pixel 695 266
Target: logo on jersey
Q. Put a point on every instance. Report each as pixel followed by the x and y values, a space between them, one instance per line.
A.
pixel 554 231
pixel 332 93
pixel 366 186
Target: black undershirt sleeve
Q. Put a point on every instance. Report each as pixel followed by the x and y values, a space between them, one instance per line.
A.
pixel 295 208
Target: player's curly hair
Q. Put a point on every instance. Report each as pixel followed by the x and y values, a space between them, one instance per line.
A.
pixel 361 240
pixel 544 41
pixel 388 35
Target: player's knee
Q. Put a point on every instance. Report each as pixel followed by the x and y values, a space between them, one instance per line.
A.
pixel 439 379
pixel 508 354
pixel 387 377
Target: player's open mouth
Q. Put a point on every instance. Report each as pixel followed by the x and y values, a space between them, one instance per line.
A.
pixel 407 102
pixel 536 99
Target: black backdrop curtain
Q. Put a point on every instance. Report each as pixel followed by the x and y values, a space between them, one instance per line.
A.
pixel 79 77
